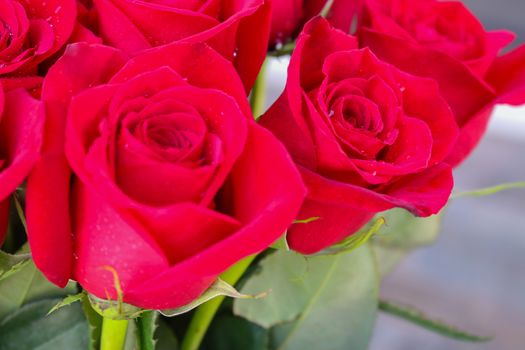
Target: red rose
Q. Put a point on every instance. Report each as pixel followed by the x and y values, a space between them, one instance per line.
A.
pixel 237 29
pixel 31 31
pixel 366 137
pixel 443 40
pixel 289 15
pixel 173 180
pixel 286 16
pixel 21 122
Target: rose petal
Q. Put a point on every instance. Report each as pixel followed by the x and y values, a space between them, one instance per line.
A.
pixel 21 127
pixel 465 93
pixel 507 76
pixel 48 183
pixel 183 58
pixel 106 238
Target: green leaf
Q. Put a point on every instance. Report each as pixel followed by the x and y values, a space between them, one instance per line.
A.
pixel 281 243
pixel 285 274
pixel 12 263
pixel 489 190
pixel 235 333
pixel 356 240
pixel 402 233
pixel 415 316
pixel 219 288
pixel 166 339
pixel 95 325
pixel 146 326
pixel 328 302
pixel 70 299
pixel 28 284
pixel 30 328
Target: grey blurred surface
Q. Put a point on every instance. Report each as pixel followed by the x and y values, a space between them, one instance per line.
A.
pixel 501 14
pixel 473 277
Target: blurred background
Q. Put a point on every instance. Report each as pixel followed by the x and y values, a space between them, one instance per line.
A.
pixel 474 275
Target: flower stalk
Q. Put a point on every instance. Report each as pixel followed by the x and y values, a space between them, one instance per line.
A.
pixel 204 315
pixel 258 95
pixel 113 334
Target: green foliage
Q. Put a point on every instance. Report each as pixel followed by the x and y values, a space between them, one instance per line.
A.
pixel 356 240
pixel 114 309
pixel 490 190
pixel 29 327
pixel 234 333
pixel 318 302
pixel 12 263
pixel 146 326
pixel 415 316
pixel 70 299
pixel 28 284
pixel 95 324
pixel 401 234
pixel 219 288
pixel 166 339
pixel 149 332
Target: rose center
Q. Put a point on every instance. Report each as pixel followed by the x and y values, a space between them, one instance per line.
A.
pixel 6 35
pixel 359 113
pixel 165 137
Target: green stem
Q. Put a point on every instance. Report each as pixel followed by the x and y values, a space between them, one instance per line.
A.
pixel 415 316
pixel 113 334
pixel 258 95
pixel 204 315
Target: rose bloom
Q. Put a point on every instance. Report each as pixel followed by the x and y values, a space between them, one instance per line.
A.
pixel 366 137
pixel 173 181
pixel 21 122
pixel 237 29
pixel 31 31
pixel 445 41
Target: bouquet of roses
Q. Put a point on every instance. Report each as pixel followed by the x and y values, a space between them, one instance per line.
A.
pixel 140 165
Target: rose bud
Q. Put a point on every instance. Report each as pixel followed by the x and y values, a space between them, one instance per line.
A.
pixel 238 30
pixel 286 17
pixel 443 40
pixel 172 183
pixel 21 123
pixel 365 135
